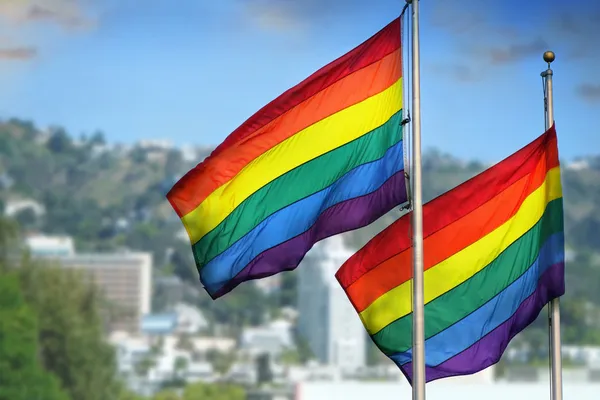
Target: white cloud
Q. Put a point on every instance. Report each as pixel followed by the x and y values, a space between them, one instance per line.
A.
pixel 65 13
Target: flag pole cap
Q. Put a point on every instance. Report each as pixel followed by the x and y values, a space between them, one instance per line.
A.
pixel 549 56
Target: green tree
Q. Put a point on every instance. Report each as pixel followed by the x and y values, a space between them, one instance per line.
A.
pixel 183 264
pixel 246 305
pixel 138 155
pixel 127 395
pixel 143 366
pixel 184 342
pixel 9 233
pixel 21 374
pixel 168 395
pixel 220 361
pixel 179 366
pixel 500 368
pixel 290 357
pixel 174 383
pixel 579 322
pixel 59 142
pixel 213 392
pixel 537 340
pixel 374 355
pixel 305 354
pixel 71 332
pixel 287 295
pixel 97 139
pixel 27 218
pixel 173 163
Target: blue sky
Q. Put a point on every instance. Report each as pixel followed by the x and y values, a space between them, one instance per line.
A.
pixel 193 70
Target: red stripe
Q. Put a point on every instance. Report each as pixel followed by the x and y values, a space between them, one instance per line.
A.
pixel 240 146
pixel 447 208
pixel 452 238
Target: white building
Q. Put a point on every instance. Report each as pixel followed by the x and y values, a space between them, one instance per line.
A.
pixel 129 351
pixel 269 284
pixel 50 246
pixel 189 319
pixel 272 339
pixel 14 207
pixel 164 144
pixel 582 355
pixel 125 279
pixel 326 318
pixel 166 362
pixel 441 390
pixel 578 165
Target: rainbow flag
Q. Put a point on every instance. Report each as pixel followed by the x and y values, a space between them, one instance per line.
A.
pixel 493 257
pixel 323 158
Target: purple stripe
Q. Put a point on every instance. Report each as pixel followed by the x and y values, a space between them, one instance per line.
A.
pixel 348 215
pixel 490 348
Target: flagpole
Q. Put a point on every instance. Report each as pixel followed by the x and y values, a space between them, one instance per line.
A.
pixel 418 345
pixel 554 310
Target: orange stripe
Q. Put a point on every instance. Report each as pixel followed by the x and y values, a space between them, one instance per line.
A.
pixel 450 239
pixel 214 172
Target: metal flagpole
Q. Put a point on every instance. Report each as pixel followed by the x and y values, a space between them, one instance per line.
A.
pixel 554 308
pixel 418 345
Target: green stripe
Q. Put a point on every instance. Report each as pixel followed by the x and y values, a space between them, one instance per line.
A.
pixel 299 183
pixel 467 297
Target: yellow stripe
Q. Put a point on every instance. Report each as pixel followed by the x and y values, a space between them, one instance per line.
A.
pixel 317 139
pixel 463 265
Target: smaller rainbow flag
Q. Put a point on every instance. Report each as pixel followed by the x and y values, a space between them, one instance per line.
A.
pixel 494 257
pixel 323 158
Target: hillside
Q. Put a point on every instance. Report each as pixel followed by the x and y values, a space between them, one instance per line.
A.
pixel 111 196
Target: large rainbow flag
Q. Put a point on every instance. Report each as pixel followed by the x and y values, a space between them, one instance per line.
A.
pixel 494 256
pixel 323 158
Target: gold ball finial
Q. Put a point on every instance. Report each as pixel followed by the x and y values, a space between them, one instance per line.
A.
pixel 549 56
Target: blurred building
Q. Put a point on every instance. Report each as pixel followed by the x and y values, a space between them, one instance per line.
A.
pixel 13 207
pixel 269 284
pixel 272 339
pixel 189 319
pixel 50 246
pixel 183 319
pixel 158 324
pixel 145 363
pixel 170 288
pixel 125 279
pixel 326 318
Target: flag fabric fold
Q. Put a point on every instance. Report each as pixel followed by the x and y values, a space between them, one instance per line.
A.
pixel 493 258
pixel 323 158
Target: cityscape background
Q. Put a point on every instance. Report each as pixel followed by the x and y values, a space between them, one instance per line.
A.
pixel 105 263
pixel 105 104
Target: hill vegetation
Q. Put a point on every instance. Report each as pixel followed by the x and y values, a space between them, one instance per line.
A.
pixel 110 197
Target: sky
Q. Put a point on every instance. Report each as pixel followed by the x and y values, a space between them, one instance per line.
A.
pixel 193 70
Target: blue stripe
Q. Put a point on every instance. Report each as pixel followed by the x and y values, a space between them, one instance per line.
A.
pixel 295 219
pixel 471 329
